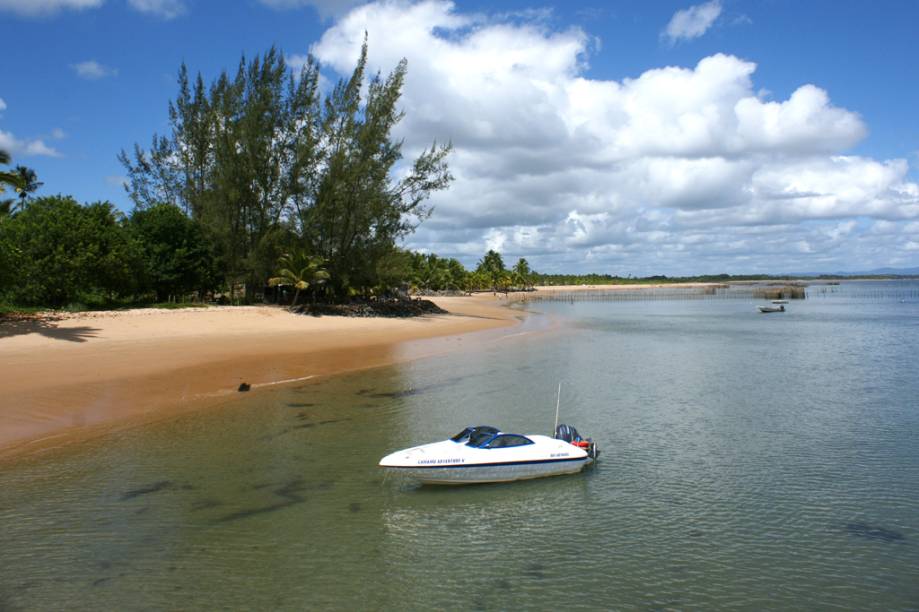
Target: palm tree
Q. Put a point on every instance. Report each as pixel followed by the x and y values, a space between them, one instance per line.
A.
pixel 493 266
pixel 522 273
pixel 29 182
pixel 299 270
pixel 9 179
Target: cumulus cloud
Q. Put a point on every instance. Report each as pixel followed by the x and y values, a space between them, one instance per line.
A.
pixel 693 22
pixel 2 105
pixel 167 9
pixel 35 8
pixel 93 70
pixel 16 146
pixel 678 169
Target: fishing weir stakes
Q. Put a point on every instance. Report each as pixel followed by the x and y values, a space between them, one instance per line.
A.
pixel 627 293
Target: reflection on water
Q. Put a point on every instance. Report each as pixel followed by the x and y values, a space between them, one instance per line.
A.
pixel 749 461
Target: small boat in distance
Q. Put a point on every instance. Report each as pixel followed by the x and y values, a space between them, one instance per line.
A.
pixel 485 454
pixel 780 308
pixel 779 301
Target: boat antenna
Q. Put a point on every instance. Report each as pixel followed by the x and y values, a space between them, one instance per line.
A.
pixel 558 400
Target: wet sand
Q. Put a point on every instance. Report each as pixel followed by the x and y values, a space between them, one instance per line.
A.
pixel 93 373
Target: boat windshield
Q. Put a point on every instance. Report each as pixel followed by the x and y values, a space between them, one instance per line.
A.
pixel 481 434
pixel 508 441
pixel 463 435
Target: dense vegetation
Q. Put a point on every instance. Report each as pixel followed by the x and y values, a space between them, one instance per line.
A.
pixel 269 167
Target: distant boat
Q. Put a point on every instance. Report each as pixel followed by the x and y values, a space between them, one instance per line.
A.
pixel 779 301
pixel 772 308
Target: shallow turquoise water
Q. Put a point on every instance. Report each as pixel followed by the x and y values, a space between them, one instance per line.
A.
pixel 749 462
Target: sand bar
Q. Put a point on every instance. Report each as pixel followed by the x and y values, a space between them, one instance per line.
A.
pixel 85 374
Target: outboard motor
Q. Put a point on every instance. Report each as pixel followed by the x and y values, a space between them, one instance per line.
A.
pixel 570 435
pixel 567 433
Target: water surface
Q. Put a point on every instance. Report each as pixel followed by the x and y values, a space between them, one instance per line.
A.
pixel 749 461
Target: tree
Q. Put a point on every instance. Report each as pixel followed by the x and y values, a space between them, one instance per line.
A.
pixel 178 256
pixel 239 155
pixel 299 270
pixel 522 273
pixel 359 212
pixel 492 266
pixel 8 180
pixel 28 182
pixel 267 164
pixel 67 252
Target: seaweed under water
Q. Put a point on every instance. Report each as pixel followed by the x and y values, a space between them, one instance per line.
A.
pixel 863 530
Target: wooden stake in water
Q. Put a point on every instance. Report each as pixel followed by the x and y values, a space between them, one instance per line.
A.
pixel 558 400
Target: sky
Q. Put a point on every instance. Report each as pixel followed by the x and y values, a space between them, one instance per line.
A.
pixel 622 137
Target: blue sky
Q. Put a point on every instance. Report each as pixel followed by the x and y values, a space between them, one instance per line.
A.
pixel 829 182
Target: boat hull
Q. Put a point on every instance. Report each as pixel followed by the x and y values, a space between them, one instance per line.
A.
pixel 491 473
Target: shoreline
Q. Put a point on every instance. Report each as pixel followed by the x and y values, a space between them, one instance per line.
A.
pixel 86 375
pixel 76 376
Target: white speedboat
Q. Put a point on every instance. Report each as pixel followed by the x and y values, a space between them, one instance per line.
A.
pixel 485 454
pixel 780 308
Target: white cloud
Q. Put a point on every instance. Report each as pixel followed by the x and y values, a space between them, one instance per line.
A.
pixel 58 134
pixel 93 70
pixel 693 22
pixel 2 105
pixel 16 146
pixel 35 8
pixel 116 180
pixel 675 170
pixel 167 9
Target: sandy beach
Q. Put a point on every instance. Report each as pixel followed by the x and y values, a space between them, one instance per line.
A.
pixel 82 375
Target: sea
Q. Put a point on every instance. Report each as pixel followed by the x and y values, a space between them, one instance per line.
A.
pixel 748 461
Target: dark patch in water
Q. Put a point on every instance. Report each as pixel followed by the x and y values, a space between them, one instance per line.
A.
pixel 417 390
pixel 143 510
pixel 354 507
pixel 535 570
pixel 244 387
pixel 205 504
pixel 868 532
pixel 187 487
pixel 503 584
pixel 327 421
pixel 324 485
pixel 105 565
pixel 291 493
pixel 155 487
pixel 101 581
pixel 363 391
pixel 304 426
pixel 695 533
pixel 300 404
